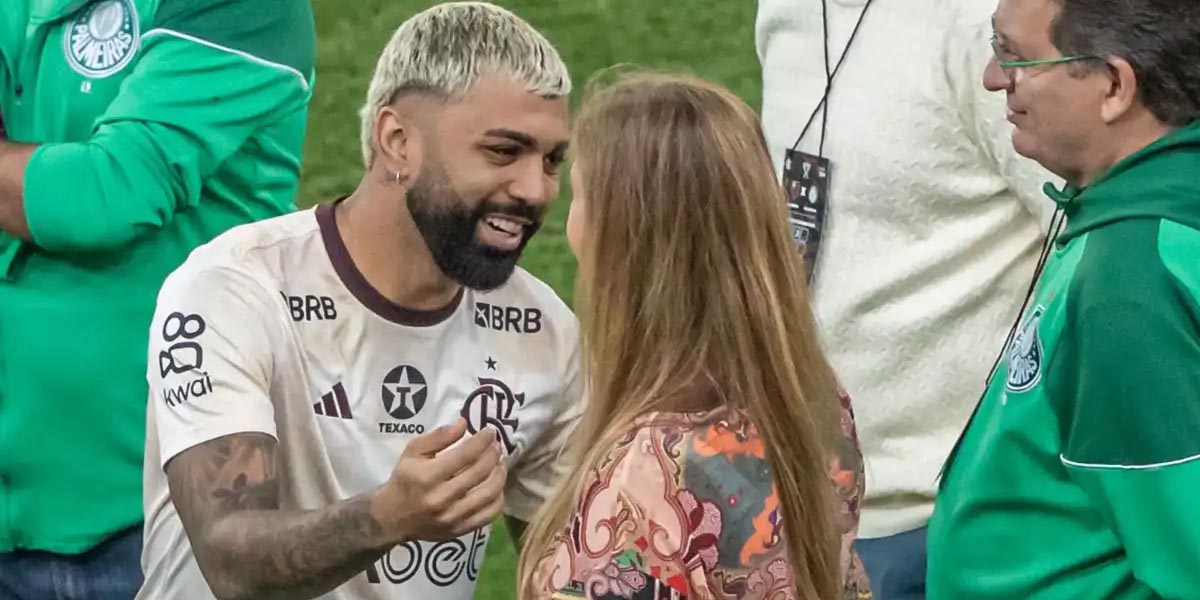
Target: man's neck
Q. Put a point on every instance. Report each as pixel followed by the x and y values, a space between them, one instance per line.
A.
pixel 1126 141
pixel 389 251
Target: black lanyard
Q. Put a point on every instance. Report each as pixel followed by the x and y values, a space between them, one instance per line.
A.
pixel 830 76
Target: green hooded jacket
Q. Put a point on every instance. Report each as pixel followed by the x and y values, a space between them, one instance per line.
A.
pixel 1076 477
pixel 161 124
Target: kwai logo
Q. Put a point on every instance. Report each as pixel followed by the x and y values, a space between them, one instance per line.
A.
pixel 102 39
pixel 184 356
pixel 182 393
pixel 1025 354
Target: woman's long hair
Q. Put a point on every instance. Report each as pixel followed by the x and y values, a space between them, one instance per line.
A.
pixel 689 278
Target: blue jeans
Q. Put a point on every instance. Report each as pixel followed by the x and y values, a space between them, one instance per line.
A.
pixel 895 565
pixel 110 571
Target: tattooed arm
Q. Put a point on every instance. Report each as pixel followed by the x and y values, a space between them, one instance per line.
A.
pixel 227 494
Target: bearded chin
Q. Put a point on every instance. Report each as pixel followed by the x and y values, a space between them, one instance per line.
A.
pixel 448 227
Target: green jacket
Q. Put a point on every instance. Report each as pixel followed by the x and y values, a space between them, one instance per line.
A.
pixel 162 125
pixel 1078 475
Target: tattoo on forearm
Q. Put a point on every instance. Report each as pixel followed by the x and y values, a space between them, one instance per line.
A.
pixel 255 481
pixel 227 494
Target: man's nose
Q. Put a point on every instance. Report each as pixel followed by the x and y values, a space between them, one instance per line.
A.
pixel 994 77
pixel 532 184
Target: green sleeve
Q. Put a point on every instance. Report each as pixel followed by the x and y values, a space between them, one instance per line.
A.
pixel 209 76
pixel 1129 388
pixel 1153 512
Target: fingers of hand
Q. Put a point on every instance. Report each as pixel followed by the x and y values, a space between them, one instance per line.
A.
pixel 466 480
pixel 480 505
pixel 437 440
pixel 480 446
pixel 455 491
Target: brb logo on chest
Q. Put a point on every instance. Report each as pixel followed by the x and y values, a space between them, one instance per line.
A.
pixel 310 308
pixel 508 318
pixel 102 39
pixel 1025 355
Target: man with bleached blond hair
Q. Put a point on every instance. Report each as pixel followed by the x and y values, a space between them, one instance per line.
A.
pixel 345 398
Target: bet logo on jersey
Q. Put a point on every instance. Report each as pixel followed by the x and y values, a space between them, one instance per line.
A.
pixel 102 38
pixel 404 393
pixel 1025 355
pixel 443 563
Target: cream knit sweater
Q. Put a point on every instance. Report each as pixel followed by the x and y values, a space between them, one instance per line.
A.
pixel 933 228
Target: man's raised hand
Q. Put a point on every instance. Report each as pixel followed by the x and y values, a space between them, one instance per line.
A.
pixel 437 492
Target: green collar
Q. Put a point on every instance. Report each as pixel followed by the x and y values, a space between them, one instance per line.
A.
pixel 50 10
pixel 1161 181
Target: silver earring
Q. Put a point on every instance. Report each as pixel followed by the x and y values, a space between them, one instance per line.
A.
pixel 397 177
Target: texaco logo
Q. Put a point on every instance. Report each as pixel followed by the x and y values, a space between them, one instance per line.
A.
pixel 404 392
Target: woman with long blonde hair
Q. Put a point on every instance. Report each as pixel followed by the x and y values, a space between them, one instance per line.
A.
pixel 717 456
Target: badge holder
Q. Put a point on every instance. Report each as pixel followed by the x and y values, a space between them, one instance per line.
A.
pixel 806 181
pixel 806 177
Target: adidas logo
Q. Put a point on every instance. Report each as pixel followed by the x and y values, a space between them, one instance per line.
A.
pixel 334 404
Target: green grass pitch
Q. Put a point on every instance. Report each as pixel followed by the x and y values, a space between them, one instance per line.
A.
pixel 709 38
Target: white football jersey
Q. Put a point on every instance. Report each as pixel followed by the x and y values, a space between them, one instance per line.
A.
pixel 271 328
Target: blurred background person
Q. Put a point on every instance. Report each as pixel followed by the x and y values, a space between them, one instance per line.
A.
pixel 1077 477
pixel 715 429
pixel 136 131
pixel 922 237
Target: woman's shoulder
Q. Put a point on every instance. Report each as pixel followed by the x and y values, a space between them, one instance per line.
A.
pixel 684 501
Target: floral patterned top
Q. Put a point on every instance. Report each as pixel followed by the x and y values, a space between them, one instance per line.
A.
pixel 684 508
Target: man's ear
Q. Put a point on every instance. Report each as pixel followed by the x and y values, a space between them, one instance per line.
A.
pixel 398 143
pixel 1122 93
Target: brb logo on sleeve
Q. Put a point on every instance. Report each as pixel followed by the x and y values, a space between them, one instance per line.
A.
pixel 184 355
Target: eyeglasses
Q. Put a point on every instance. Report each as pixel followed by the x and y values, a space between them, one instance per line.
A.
pixel 1009 67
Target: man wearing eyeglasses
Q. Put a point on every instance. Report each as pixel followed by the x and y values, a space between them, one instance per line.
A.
pixel 1076 476
pixel 920 224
